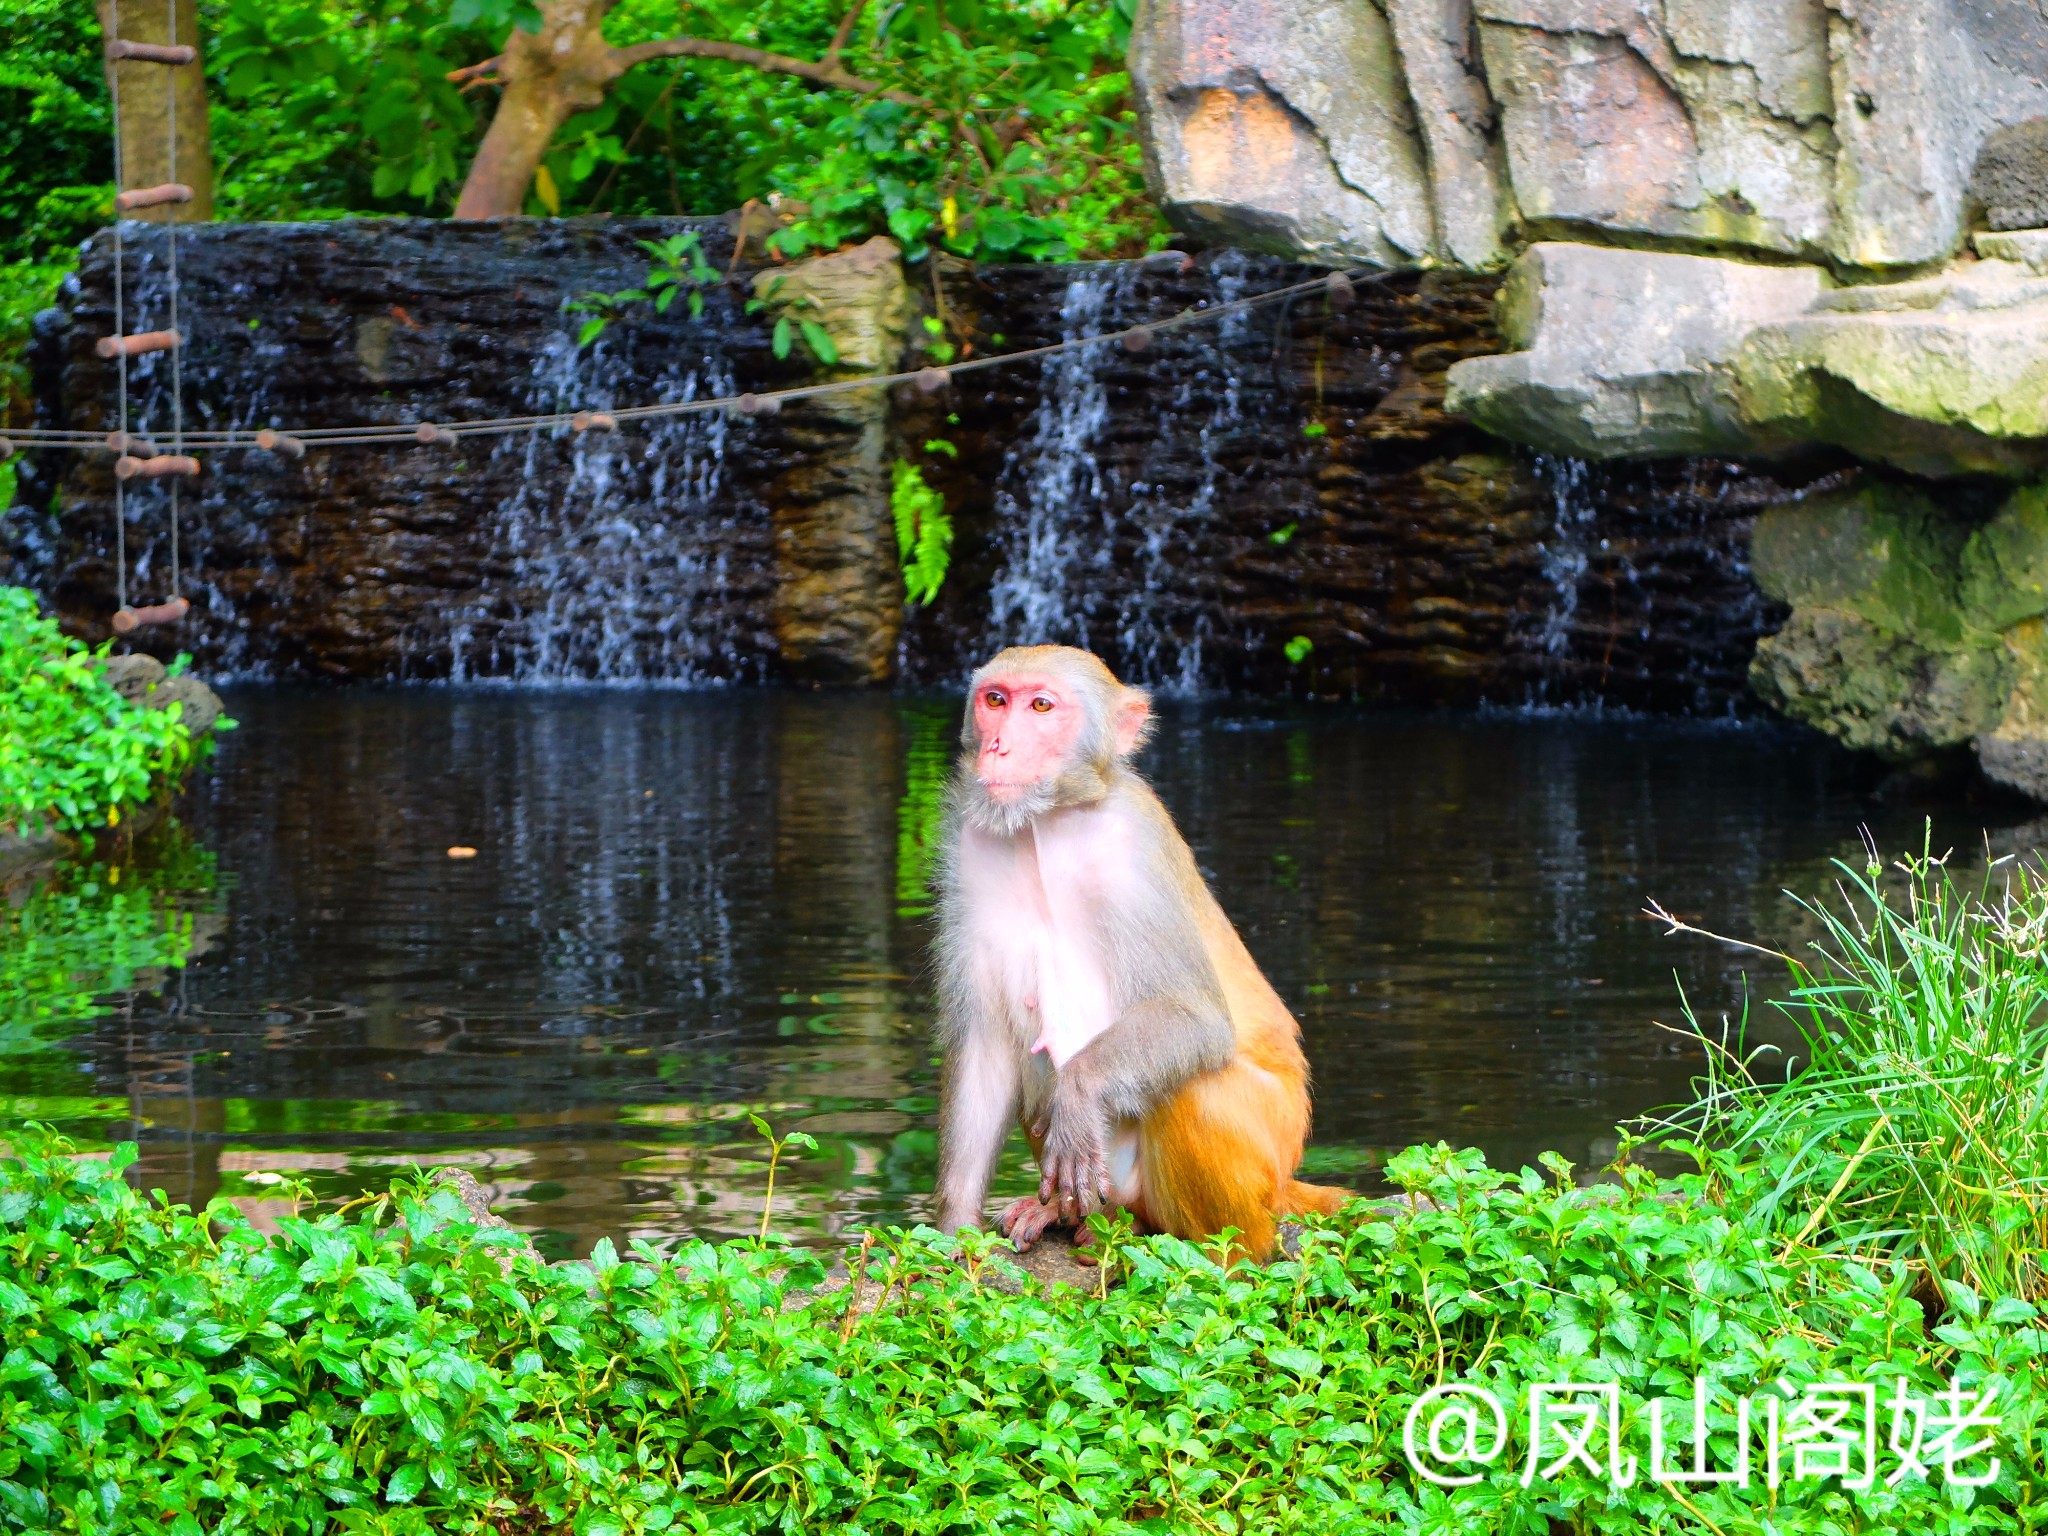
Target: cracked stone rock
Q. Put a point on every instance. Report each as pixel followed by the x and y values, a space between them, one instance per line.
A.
pixel 1411 131
pixel 1283 127
pixel 1707 121
pixel 1627 352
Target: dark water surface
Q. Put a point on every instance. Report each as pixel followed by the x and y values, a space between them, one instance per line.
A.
pixel 687 907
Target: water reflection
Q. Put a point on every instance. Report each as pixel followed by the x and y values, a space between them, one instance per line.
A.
pixel 687 907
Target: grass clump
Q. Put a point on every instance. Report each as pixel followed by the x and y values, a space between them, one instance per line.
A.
pixel 73 752
pixel 1916 1127
pixel 376 1369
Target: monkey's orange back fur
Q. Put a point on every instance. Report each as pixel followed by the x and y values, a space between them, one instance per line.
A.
pixel 1222 1151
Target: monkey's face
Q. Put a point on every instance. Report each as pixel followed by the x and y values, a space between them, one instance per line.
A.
pixel 1029 727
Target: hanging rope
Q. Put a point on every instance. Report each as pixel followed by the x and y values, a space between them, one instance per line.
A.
pixel 120 320
pixel 177 352
pixel 1339 287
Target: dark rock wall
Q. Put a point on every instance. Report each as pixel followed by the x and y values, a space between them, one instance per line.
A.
pixel 1187 510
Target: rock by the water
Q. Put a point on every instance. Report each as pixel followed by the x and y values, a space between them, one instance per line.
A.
pixel 2011 176
pixel 2004 577
pixel 1626 353
pixel 2014 752
pixel 1943 376
pixel 144 681
pixel 1883 552
pixel 1877 690
pixel 1638 353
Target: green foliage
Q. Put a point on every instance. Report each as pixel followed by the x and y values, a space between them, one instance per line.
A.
pixel 25 288
pixel 924 532
pixel 322 111
pixel 1020 145
pixel 96 928
pixel 73 751
pixel 374 1369
pixel 56 153
pixel 1917 1126
pixel 1297 649
pixel 679 267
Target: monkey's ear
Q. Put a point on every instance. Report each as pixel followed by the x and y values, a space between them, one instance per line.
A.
pixel 1133 721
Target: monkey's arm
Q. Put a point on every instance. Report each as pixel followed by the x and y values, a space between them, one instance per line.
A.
pixel 977 1104
pixel 1154 1047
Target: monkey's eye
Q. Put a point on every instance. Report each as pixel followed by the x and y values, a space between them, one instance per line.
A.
pixel 1043 706
pixel 995 698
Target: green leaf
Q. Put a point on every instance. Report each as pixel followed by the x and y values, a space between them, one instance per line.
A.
pixel 406 1483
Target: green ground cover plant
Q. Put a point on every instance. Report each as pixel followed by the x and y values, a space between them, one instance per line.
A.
pixel 73 752
pixel 374 1369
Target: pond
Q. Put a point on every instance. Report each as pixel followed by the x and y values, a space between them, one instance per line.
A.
pixel 688 907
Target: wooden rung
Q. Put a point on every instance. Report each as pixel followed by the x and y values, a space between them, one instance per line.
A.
pixel 151 197
pixel 6 448
pixel 130 442
pixel 128 620
pixel 127 467
pixel 932 380
pixel 751 404
pixel 136 345
pixel 602 421
pixel 1137 340
pixel 427 432
pixel 281 442
pixel 152 53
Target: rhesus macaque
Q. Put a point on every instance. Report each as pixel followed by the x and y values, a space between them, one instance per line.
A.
pixel 1091 987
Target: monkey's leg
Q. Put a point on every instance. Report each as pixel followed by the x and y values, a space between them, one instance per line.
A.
pixel 977 1102
pixel 1210 1159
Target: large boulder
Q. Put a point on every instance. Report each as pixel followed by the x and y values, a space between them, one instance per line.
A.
pixel 1947 375
pixel 1877 690
pixel 1283 127
pixel 1410 131
pixel 1639 354
pixel 1882 552
pixel 1626 353
pixel 2014 752
pixel 1704 121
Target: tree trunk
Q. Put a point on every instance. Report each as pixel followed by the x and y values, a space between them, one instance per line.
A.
pixel 148 157
pixel 549 75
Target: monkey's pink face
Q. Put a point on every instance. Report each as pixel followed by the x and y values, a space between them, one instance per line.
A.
pixel 1028 727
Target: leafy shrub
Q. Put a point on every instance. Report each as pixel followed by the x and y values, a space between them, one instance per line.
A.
pixel 92 929
pixel 73 751
pixel 1917 1126
pixel 375 1370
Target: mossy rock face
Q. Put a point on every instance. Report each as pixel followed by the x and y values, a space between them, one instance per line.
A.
pixel 1884 553
pixel 2015 751
pixel 2005 564
pixel 1877 690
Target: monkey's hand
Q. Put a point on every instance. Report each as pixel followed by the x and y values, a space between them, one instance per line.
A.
pixel 1074 1157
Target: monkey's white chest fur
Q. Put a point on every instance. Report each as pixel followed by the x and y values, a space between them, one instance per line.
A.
pixel 1041 902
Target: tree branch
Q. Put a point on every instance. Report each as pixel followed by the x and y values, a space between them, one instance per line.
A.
pixel 831 73
pixel 845 33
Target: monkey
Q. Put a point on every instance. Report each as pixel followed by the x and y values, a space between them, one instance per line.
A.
pixel 1090 987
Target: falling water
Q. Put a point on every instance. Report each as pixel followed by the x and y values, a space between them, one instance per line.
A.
pixel 614 544
pixel 1052 499
pixel 1117 559
pixel 1564 553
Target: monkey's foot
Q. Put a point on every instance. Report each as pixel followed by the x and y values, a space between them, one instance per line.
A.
pixel 1029 1219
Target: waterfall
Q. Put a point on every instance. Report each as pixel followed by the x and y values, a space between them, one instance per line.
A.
pixel 1051 500
pixel 1117 558
pixel 1564 554
pixel 612 549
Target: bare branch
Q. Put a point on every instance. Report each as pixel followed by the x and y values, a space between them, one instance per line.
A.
pixel 845 33
pixel 832 73
pixel 472 75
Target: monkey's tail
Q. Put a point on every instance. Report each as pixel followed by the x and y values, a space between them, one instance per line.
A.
pixel 1302 1199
